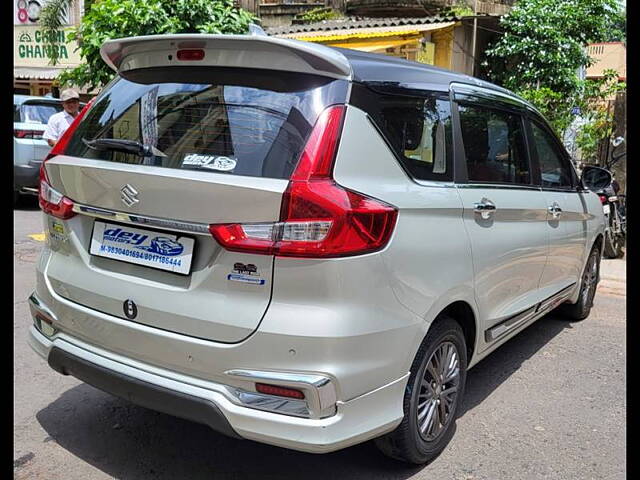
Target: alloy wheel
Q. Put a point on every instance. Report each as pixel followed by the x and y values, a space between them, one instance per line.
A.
pixel 589 282
pixel 438 391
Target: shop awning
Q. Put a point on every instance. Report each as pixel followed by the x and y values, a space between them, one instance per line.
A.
pixel 376 45
pixel 36 73
pixel 370 32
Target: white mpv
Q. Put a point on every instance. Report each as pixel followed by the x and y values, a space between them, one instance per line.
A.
pixel 300 245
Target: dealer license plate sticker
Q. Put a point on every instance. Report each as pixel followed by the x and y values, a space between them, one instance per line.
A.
pixel 163 251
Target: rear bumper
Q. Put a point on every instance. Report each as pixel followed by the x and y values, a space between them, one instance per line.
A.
pixel 26 177
pixel 140 392
pixel 362 418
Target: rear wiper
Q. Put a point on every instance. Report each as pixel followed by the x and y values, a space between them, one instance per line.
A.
pixel 122 145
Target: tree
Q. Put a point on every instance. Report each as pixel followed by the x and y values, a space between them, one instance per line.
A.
pixel 543 49
pixel 109 19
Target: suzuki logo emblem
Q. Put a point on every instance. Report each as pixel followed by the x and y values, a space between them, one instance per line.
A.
pixel 129 195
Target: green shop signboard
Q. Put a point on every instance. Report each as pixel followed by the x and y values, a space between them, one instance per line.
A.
pixel 30 48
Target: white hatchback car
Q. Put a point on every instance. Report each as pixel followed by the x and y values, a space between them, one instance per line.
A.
pixel 304 246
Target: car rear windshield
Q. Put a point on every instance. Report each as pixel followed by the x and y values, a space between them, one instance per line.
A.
pixel 241 122
pixel 35 112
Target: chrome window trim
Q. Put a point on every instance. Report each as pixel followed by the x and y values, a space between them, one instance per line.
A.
pixel 433 183
pixel 505 186
pixel 141 220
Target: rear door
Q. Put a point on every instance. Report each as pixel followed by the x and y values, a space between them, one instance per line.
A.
pixel 567 212
pixel 504 211
pixel 224 143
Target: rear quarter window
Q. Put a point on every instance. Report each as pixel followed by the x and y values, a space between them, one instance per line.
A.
pixel 416 126
pixel 247 122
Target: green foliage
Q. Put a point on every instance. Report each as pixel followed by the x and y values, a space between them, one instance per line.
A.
pixel 600 120
pixel 51 21
pixel 541 52
pixel 109 19
pixel 617 27
pixel 460 10
pixel 544 42
pixel 319 14
pixel 554 106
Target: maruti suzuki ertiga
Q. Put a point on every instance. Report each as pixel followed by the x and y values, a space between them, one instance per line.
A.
pixel 299 245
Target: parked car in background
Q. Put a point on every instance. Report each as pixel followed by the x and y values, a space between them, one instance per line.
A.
pixel 30 117
pixel 303 246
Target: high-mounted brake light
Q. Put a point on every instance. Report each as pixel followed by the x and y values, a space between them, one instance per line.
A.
pixel 191 54
pixel 51 201
pixel 318 217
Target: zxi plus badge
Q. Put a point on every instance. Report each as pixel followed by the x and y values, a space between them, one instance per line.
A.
pixel 130 309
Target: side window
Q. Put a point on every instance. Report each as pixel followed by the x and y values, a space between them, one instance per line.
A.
pixel 417 127
pixel 494 146
pixel 555 172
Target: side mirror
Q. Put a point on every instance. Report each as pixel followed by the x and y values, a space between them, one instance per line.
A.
pixel 617 141
pixel 596 178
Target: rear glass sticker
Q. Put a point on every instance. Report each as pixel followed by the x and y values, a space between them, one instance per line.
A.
pixel 210 162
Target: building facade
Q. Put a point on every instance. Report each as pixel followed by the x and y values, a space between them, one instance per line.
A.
pixel 32 72
pixel 445 42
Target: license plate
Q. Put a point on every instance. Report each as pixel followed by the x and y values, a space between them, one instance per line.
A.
pixel 163 251
pixel 607 209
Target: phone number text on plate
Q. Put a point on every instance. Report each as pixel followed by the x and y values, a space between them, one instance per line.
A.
pixel 142 255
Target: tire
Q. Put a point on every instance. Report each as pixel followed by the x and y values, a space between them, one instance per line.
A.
pixel 588 285
pixel 407 443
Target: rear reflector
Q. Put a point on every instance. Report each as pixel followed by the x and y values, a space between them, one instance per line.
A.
pixel 190 54
pixel 279 391
pixel 318 217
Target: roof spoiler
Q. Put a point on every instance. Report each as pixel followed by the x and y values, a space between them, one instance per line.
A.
pixel 241 51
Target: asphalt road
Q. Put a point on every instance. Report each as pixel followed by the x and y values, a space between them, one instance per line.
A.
pixel 549 404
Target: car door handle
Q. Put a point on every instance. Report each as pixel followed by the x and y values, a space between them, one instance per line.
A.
pixel 555 210
pixel 484 207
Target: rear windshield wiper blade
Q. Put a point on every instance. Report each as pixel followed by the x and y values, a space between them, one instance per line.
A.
pixel 122 145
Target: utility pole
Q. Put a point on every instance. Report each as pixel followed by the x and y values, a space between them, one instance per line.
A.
pixel 475 33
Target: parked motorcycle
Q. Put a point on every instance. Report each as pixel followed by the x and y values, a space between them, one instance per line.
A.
pixel 613 205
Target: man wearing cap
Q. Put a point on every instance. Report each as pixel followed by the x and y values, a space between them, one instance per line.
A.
pixel 59 122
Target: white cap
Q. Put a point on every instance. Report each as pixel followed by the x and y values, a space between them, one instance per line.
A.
pixel 69 94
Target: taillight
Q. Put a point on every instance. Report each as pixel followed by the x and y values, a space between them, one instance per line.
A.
pixel 51 201
pixel 35 134
pixel 318 217
pixel 603 199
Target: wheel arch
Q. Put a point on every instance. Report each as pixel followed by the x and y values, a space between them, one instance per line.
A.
pixel 462 312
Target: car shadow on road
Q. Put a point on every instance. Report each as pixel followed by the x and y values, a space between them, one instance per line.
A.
pixel 131 442
pixel 491 372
